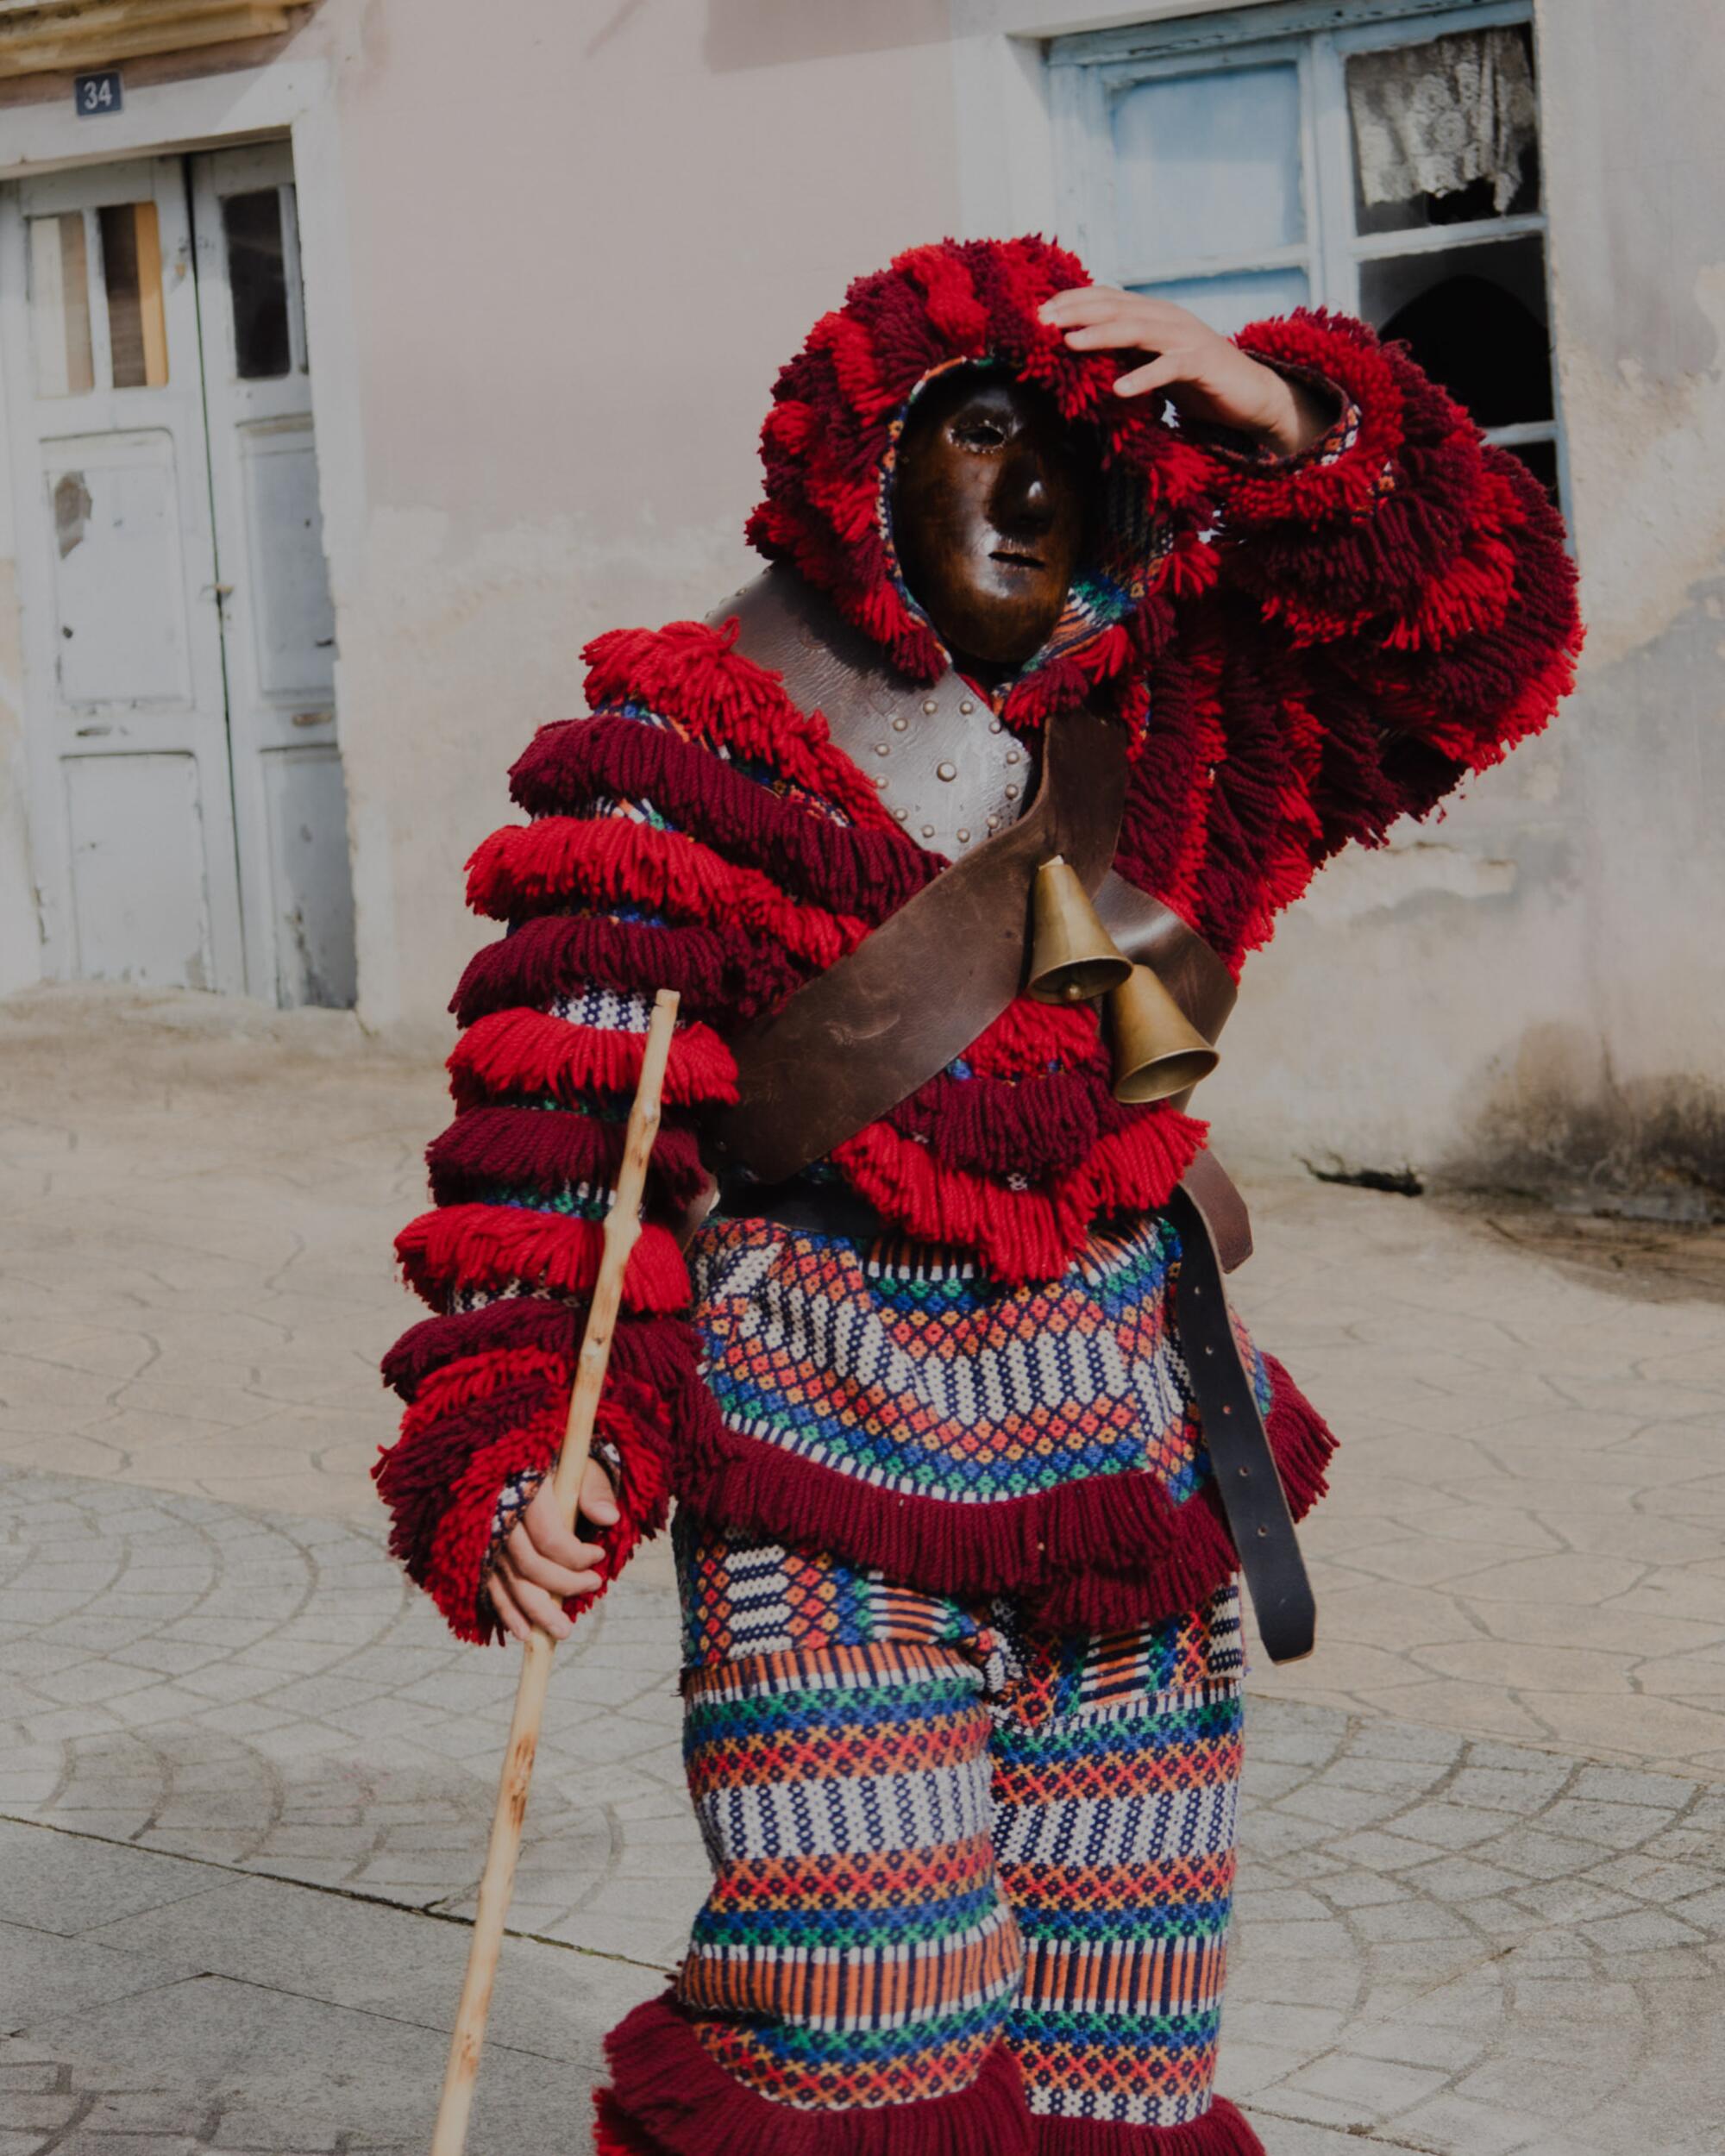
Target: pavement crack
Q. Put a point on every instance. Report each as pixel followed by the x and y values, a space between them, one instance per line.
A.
pixel 430 1911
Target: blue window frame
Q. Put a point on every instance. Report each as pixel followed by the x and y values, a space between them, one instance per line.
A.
pixel 1215 159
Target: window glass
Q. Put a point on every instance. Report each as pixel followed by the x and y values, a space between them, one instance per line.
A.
pixel 1475 318
pixel 132 277
pixel 1228 303
pixel 60 306
pixel 257 278
pixel 1208 165
pixel 1541 459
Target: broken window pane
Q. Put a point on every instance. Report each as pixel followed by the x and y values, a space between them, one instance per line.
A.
pixel 257 278
pixel 1208 165
pixel 1476 319
pixel 1446 132
pixel 1541 459
pixel 132 276
pixel 59 305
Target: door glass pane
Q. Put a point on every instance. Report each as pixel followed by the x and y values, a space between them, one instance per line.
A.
pixel 1208 165
pixel 257 278
pixel 1445 132
pixel 1476 319
pixel 59 305
pixel 1228 303
pixel 132 276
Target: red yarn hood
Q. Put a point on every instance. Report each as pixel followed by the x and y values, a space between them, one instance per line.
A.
pixel 838 409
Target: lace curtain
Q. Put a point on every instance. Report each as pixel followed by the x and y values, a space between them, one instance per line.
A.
pixel 1430 119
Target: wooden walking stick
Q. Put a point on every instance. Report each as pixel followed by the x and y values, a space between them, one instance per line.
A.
pixel 621 1227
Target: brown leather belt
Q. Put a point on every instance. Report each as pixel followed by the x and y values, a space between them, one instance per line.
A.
pixel 1242 1466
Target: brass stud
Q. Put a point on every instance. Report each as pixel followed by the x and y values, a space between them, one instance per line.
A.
pixel 963 837
pixel 1013 756
pixel 881 780
pixel 996 724
pixel 899 724
pixel 929 706
pixel 993 822
pixel 966 707
pixel 883 749
pixel 902 814
pixel 946 771
pixel 928 830
pixel 1012 793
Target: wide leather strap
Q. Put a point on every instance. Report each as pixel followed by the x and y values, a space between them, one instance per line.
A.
pixel 1242 1465
pixel 917 990
pixel 956 777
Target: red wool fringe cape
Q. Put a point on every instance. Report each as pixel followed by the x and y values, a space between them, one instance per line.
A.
pixel 1302 653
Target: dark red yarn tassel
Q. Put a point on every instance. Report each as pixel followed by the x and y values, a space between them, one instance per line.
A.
pixel 669 2097
pixel 1222 2131
pixel 1104 1555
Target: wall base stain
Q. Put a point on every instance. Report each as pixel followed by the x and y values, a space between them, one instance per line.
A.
pixel 1560 1128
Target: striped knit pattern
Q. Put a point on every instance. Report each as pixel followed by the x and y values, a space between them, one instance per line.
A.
pixel 939 1832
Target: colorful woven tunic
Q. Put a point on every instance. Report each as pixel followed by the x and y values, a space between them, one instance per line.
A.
pixel 981 1425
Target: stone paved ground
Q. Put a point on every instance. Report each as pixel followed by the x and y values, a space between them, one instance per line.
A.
pixel 244 1776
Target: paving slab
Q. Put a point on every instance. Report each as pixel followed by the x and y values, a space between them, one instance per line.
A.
pixel 245 1774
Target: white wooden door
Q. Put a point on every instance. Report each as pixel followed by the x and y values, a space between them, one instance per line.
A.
pixel 278 628
pixel 131 813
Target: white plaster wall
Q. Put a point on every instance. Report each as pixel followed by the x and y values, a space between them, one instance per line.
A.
pixel 580 252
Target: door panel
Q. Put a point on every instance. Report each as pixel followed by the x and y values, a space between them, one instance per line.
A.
pixel 131 811
pixel 141 912
pixel 293 624
pixel 278 626
pixel 121 636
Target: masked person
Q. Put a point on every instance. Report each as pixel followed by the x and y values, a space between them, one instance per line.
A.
pixel 966 1450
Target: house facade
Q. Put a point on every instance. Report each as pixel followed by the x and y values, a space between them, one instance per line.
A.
pixel 358 365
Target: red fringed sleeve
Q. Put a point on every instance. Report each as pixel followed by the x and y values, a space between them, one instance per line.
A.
pixel 1386 618
pixel 605 904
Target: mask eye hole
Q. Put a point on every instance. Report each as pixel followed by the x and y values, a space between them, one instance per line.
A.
pixel 976 431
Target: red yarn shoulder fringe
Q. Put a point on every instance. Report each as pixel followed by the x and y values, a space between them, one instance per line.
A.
pixel 1102 1555
pixel 669 2098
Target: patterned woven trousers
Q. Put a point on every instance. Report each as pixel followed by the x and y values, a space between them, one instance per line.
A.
pixel 972 1883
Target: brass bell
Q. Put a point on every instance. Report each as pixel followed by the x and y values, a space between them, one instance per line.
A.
pixel 1157 1050
pixel 1072 956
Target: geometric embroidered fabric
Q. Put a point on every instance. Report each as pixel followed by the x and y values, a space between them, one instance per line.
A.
pixel 937 1833
pixel 911 1370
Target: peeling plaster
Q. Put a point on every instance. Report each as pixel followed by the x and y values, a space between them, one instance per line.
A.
pixel 1649 507
pixel 1358 884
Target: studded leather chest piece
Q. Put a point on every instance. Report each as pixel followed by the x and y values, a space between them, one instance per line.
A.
pixel 944 766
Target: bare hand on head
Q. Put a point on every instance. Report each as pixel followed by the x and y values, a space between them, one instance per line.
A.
pixel 541 1563
pixel 1204 376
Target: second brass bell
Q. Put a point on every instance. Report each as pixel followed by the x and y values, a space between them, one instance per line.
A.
pixel 1157 1050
